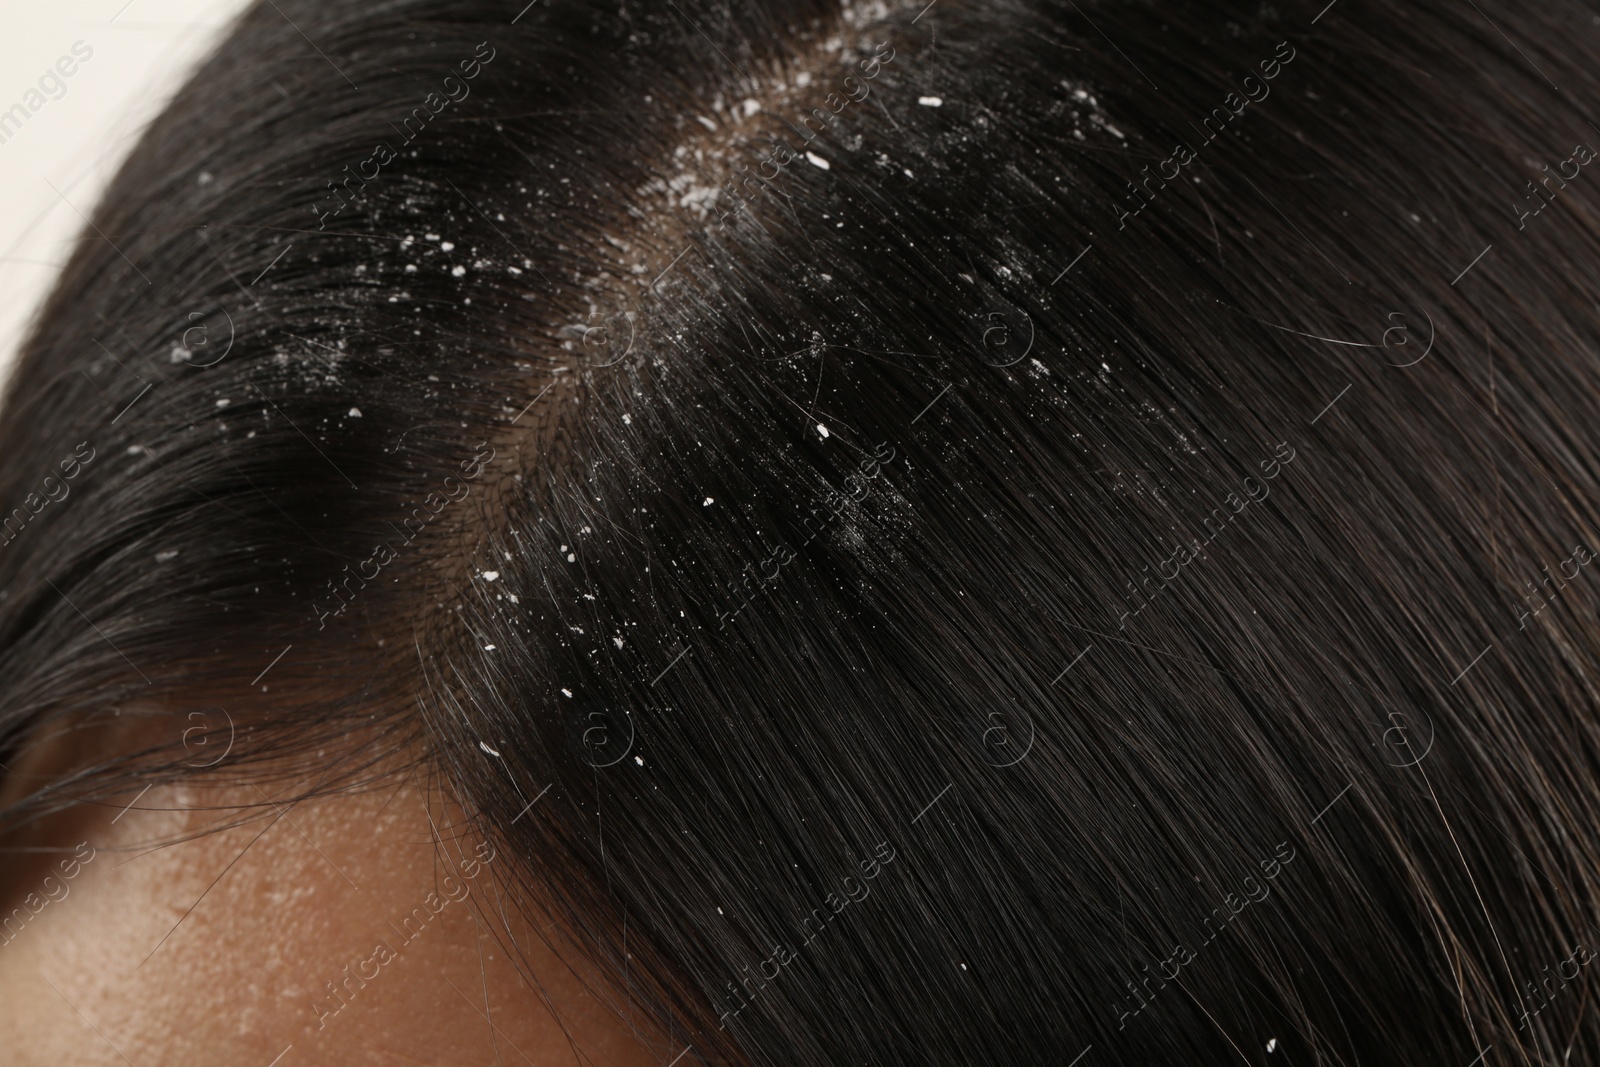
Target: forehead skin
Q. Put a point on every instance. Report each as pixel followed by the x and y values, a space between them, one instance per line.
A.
pixel 208 952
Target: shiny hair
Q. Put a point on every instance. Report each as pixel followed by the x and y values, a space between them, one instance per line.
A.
pixel 1020 532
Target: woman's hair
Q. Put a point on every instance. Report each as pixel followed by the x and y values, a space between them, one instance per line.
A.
pixel 961 533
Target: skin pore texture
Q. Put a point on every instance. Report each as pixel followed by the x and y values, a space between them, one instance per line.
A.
pixel 221 948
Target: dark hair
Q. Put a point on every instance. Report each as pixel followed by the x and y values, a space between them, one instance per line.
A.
pixel 968 533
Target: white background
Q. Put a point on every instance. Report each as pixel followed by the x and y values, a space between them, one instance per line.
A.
pixel 143 51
